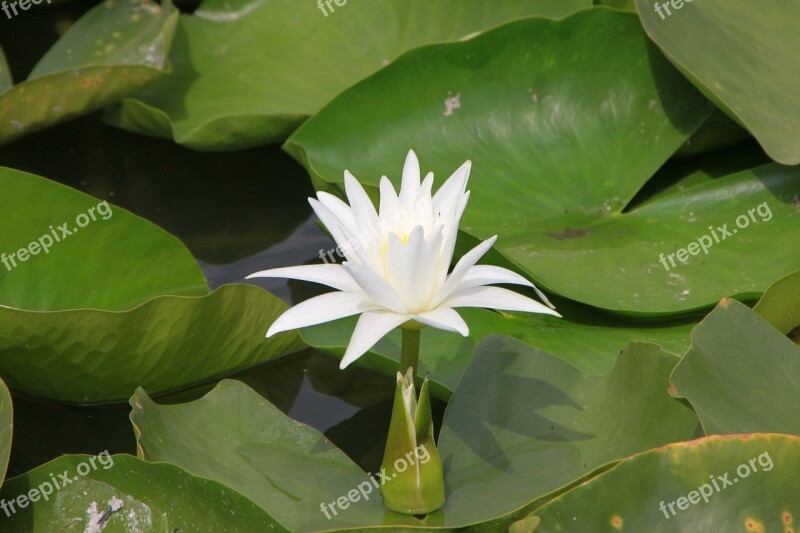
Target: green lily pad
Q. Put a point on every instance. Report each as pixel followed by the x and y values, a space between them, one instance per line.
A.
pixel 234 436
pixel 118 303
pixel 92 355
pixel 521 425
pixel 120 493
pixel 81 253
pixel 584 338
pixel 556 165
pixel 780 305
pixel 743 55
pixel 6 429
pixel 111 52
pixel 748 483
pixel 740 374
pixel 222 96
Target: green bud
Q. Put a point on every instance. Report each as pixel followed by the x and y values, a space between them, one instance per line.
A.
pixel 411 459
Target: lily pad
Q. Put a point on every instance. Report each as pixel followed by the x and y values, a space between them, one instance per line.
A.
pixel 522 424
pixel 222 96
pixel 738 483
pixel 118 302
pixel 234 436
pixel 556 164
pixel 743 55
pixel 122 493
pixel 740 374
pixel 780 305
pixel 81 253
pixel 587 340
pixel 6 429
pixel 111 52
pixel 93 355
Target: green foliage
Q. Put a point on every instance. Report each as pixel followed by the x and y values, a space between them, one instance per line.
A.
pixel 607 146
pixel 743 56
pixel 112 52
pixel 200 106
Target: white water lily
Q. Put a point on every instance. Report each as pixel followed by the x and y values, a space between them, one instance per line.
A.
pixel 397 260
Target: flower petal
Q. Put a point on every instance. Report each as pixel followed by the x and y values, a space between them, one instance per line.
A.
pixel 462 267
pixel 375 287
pixel 389 204
pixel 338 208
pixel 453 188
pixel 450 222
pixel 335 276
pixel 408 268
pixel 323 308
pixel 364 213
pixel 334 225
pixel 409 187
pixel 496 298
pixel 489 274
pixel 371 327
pixel 444 318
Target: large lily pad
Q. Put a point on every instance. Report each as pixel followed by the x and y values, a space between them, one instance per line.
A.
pixel 741 374
pixel 81 254
pixel 742 54
pixel 236 437
pixel 92 355
pixel 558 160
pixel 111 52
pixel 222 96
pixel 118 303
pixel 584 338
pixel 121 493
pixel 748 483
pixel 522 424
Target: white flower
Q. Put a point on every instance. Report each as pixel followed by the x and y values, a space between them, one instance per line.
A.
pixel 397 262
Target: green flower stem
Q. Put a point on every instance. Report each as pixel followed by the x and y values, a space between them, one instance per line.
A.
pixel 409 355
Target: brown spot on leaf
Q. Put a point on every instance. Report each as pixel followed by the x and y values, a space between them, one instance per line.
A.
pixel 568 233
